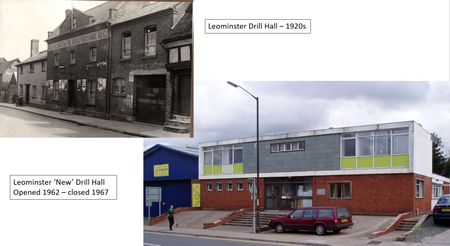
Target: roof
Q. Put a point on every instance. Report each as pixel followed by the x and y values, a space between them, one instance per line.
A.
pixel 38 57
pixel 183 26
pixel 4 65
pixel 182 150
pixel 308 133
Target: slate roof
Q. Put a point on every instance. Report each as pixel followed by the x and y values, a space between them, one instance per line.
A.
pixel 4 65
pixel 38 57
pixel 183 150
pixel 184 25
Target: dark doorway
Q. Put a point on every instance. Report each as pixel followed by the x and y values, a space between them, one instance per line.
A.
pixel 72 97
pixel 27 94
pixel 151 98
pixel 184 85
pixel 285 193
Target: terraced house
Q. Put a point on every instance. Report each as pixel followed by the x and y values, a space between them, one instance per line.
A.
pixel 110 61
pixel 382 169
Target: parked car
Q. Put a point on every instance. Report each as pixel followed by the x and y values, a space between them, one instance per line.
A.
pixel 317 219
pixel 441 211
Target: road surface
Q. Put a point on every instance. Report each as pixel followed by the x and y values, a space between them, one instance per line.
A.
pixel 17 123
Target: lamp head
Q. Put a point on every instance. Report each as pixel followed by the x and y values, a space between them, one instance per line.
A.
pixel 232 84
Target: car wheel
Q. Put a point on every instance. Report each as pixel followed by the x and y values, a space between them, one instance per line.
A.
pixel 337 231
pixel 279 228
pixel 320 229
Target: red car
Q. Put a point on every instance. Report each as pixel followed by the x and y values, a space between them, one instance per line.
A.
pixel 317 219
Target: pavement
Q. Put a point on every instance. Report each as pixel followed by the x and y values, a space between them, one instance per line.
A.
pixel 130 128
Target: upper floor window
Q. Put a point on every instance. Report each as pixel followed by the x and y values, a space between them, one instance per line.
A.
pixel 72 57
pixel 21 69
pixel 31 67
pixel 56 59
pixel 93 54
pixel 150 41
pixel 180 54
pixel 287 147
pixel 223 155
pixel 126 45
pixel 43 66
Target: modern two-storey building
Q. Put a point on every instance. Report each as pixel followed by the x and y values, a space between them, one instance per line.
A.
pixel 382 169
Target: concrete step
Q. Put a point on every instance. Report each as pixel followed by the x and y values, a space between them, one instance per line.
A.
pixel 177 129
pixel 182 118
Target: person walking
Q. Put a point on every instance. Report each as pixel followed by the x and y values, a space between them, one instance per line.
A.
pixel 170 216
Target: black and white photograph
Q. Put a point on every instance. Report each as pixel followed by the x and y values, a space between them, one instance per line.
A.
pixel 96 69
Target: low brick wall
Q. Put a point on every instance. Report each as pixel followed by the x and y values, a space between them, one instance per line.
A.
pixel 222 221
pixel 393 226
pixel 163 217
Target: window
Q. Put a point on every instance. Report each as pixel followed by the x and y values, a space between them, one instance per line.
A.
pixel 340 191
pixel 93 54
pixel 150 41
pixel 400 144
pixel 365 146
pixel 34 91
pixel 118 86
pixel 180 54
pixel 209 187
pixel 419 188
pixel 217 156
pixel 173 55
pixel 126 45
pixel 56 59
pixel 238 155
pixel 349 147
pixel 219 187
pixel 74 23
pixel 437 191
pixel 55 90
pixel 21 90
pixel 31 67
pixel 43 66
pixel 308 213
pixel 185 53
pixel 92 84
pixel 297 214
pixel 287 147
pixel 21 69
pixel 229 186
pixel 207 156
pixel 324 213
pixel 382 143
pixel 240 186
pixel 72 57
pixel 250 186
pixel 43 91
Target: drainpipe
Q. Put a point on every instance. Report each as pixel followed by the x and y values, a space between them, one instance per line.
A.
pixel 108 73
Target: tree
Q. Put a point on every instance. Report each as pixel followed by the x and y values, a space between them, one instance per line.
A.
pixel 441 162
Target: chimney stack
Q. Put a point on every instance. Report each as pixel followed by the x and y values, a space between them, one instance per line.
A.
pixel 67 12
pixel 112 13
pixel 34 47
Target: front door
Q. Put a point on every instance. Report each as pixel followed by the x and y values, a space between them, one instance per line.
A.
pixel 72 93
pixel 151 99
pixel 27 94
pixel 273 195
pixel 184 84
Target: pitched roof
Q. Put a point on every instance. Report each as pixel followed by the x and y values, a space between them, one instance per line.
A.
pixel 183 150
pixel 4 65
pixel 38 57
pixel 184 25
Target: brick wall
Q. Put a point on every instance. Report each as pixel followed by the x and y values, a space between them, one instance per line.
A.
pixel 384 194
pixel 446 188
pixel 228 200
pixel 422 205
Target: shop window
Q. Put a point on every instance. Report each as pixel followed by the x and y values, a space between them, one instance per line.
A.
pixel 93 54
pixel 287 147
pixel 72 57
pixel 218 186
pixel 55 90
pixel 126 45
pixel 229 186
pixel 209 187
pixel 56 60
pixel 118 87
pixel 43 91
pixel 92 86
pixel 340 191
pixel 240 186
pixel 31 67
pixel 34 91
pixel 150 41
pixel 419 188
pixel 43 66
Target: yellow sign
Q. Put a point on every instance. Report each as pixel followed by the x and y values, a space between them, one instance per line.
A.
pixel 195 195
pixel 161 170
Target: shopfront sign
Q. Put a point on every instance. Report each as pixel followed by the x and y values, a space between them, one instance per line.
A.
pixel 161 170
pixel 89 37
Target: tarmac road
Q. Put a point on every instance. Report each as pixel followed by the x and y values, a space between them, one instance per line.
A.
pixel 16 123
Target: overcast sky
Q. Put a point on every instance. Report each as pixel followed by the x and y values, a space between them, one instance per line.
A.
pixel 224 112
pixel 23 20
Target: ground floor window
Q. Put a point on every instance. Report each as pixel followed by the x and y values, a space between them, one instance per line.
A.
pixel 43 91
pixel 229 186
pixel 209 187
pixel 92 86
pixel 56 90
pixel 419 188
pixel 219 186
pixel 437 191
pixel 340 191
pixel 34 91
pixel 21 90
pixel 240 186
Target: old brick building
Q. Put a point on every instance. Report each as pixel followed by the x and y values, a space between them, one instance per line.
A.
pixel 8 79
pixel 110 61
pixel 382 169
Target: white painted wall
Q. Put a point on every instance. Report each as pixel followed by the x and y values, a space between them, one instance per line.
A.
pixel 422 151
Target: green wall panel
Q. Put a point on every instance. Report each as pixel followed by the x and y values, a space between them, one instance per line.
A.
pixel 383 161
pixel 207 170
pixel 400 161
pixel 348 163
pixel 217 170
pixel 238 168
pixel 365 162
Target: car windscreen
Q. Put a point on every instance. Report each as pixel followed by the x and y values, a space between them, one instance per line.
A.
pixel 444 200
pixel 342 213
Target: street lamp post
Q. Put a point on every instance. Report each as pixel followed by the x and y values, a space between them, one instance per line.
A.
pixel 257 151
